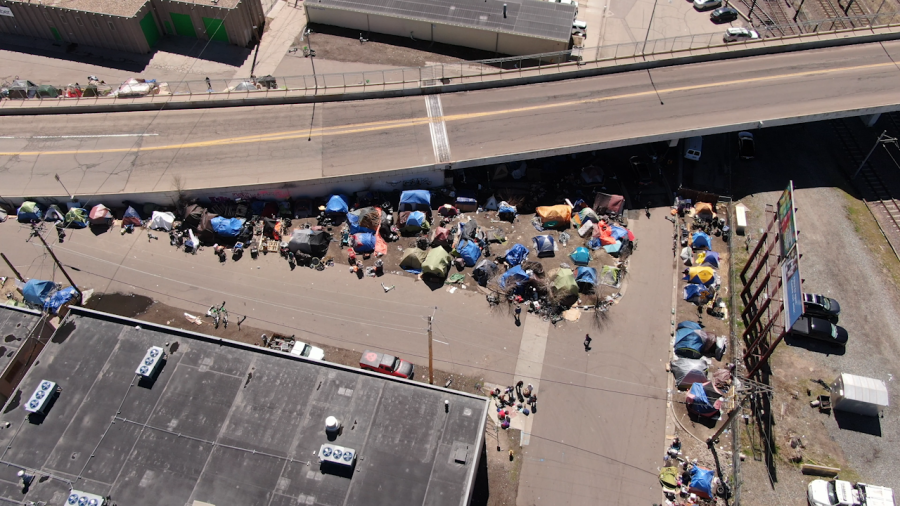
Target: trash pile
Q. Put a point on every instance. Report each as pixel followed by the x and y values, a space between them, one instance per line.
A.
pixel 685 483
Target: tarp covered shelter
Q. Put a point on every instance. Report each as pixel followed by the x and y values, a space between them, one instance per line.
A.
pixel 564 283
pixel 54 214
pixel 703 399
pixel 412 259
pixel 668 478
pixel 544 245
pixel 337 204
pixel 414 222
pixel 441 237
pixel 583 216
pixel 581 256
pixel 58 298
pixel 415 200
pixel 697 294
pixel 610 276
pixel 701 482
pixel 586 277
pixel 164 220
pixel 437 263
pixel 47 91
pixel 365 219
pixel 555 216
pixel 131 217
pixel 227 227
pixel 513 277
pixel 618 233
pixel 37 291
pixel 205 233
pixel 100 215
pixel 77 218
pixel 708 258
pixel 516 254
pixel 192 215
pixel 700 275
pixel 692 343
pixel 605 203
pixel 363 242
pixel 29 212
pixel 485 271
pixel 469 251
pixel 311 242
pixel 688 371
pixel 701 241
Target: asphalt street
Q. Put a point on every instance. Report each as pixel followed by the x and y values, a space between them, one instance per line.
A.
pixel 600 425
pixel 140 152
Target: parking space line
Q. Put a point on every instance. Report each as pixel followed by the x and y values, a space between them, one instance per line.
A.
pixel 530 365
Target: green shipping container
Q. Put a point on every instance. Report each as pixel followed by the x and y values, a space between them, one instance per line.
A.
pixel 215 30
pixel 183 25
pixel 148 26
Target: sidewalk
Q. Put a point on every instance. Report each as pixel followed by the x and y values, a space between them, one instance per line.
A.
pixel 288 23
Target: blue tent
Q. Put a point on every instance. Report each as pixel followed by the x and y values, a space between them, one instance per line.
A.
pixel 544 245
pixel 415 200
pixel 688 343
pixel 29 212
pixel 711 259
pixel 516 255
pixel 697 294
pixel 37 291
pixel 131 217
pixel 586 277
pixel 613 248
pixel 687 324
pixel 415 219
pixel 227 227
pixel 701 241
pixel 363 243
pixel 59 298
pixel 469 251
pixel 581 256
pixel 337 204
pixel 513 277
pixel 701 479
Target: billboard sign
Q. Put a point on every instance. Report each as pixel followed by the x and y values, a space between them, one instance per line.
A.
pixel 6 11
pixel 787 226
pixel 792 291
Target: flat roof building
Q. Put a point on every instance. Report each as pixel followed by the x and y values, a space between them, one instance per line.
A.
pixel 23 332
pixel 214 422
pixel 514 27
pixel 134 26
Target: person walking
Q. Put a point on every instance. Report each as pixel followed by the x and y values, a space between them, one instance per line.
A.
pixel 587 342
pixel 518 315
pixel 208 85
pixel 519 386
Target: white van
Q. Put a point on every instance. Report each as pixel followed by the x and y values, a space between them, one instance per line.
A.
pixel 693 146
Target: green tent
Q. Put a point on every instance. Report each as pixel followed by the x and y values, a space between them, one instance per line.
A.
pixel 77 218
pixel 47 91
pixel 412 259
pixel 564 284
pixel 437 263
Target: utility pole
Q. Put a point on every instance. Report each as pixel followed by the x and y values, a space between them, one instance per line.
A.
pixel 884 138
pixel 58 264
pixel 18 276
pixel 431 350
pixel 58 180
pixel 647 36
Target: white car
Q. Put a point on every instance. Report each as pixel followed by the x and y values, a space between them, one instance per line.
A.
pixel 740 34
pixel 703 5
pixel 309 351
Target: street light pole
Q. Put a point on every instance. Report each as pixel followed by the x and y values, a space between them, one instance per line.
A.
pixel 647 35
pixel 58 180
pixel 431 350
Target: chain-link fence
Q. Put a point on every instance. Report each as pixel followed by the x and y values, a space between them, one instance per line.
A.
pixel 496 69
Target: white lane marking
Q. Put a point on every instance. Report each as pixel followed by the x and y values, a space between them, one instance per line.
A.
pixel 78 136
pixel 438 128
pixel 442 342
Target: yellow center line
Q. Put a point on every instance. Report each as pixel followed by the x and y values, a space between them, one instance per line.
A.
pixel 385 125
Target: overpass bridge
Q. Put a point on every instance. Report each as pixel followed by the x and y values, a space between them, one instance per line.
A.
pixel 311 149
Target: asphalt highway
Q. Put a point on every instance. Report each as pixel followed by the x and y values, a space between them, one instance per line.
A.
pixel 232 147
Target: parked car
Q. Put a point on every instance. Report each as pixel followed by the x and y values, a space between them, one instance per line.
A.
pixel 740 34
pixel 745 145
pixel 301 349
pixel 703 5
pixel 386 364
pixel 821 306
pixel 723 15
pixel 641 167
pixel 818 328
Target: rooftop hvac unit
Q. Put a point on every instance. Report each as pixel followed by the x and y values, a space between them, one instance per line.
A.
pixel 78 498
pixel 40 399
pixel 150 363
pixel 337 455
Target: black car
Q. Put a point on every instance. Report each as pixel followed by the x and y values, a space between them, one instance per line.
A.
pixel 723 15
pixel 821 306
pixel 746 148
pixel 817 328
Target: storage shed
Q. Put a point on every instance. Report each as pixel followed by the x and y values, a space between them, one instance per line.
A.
pixel 858 394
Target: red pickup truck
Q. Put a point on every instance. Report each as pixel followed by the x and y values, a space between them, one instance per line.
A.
pixel 386 364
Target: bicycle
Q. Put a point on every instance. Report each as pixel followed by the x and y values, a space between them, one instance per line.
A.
pixel 219 315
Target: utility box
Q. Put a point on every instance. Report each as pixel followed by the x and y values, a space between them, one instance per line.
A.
pixel 858 394
pixel 740 218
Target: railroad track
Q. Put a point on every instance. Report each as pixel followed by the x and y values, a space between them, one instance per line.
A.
pixel 834 15
pixel 875 192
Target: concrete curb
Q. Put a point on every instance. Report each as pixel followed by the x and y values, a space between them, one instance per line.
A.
pixel 175 104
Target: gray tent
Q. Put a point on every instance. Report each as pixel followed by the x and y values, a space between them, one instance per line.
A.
pixel 688 371
pixel 311 242
pixel 485 271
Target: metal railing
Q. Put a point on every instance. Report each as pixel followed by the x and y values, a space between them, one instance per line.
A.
pixel 496 69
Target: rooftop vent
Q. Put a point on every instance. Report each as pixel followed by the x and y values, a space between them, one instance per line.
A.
pixel 150 363
pixel 78 498
pixel 40 399
pixel 339 455
pixel 332 425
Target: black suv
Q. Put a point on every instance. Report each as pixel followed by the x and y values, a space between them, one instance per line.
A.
pixel 821 306
pixel 822 330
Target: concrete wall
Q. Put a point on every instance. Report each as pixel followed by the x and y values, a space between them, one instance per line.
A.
pixel 73 26
pixel 486 40
pixel 238 22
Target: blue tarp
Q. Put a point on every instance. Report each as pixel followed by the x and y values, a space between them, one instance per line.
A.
pixel 701 241
pixel 613 248
pixel 581 256
pixel 363 243
pixel 337 204
pixel 594 243
pixel 688 343
pixel 711 259
pixel 586 275
pixel 513 277
pixel 544 245
pixel 227 227
pixel 516 255
pixel 617 232
pixel 37 291
pixel 59 298
pixel 469 251
pixel 416 198
pixel 701 479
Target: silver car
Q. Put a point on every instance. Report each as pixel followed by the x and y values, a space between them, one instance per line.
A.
pixel 703 5
pixel 740 34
